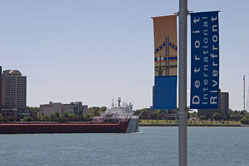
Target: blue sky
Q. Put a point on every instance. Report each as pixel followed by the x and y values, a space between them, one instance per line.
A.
pixel 95 51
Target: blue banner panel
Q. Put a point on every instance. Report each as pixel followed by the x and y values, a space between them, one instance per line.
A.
pixel 164 92
pixel 204 60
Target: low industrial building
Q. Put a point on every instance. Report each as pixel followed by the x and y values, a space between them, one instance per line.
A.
pixel 34 114
pixel 9 114
pixel 53 108
pixel 222 108
pixel 73 108
pixel 80 109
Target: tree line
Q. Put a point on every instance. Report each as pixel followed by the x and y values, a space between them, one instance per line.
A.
pixel 57 117
pixel 242 116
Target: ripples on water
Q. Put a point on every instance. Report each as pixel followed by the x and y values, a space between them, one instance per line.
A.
pixel 152 146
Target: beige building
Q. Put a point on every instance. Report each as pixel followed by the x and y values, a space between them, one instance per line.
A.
pixel 85 109
pixel 73 108
pixel 52 108
pixel 13 90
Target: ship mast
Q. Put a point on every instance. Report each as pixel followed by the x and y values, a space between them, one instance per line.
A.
pixel 119 101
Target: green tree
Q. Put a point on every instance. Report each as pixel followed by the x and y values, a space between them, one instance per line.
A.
pixel 37 109
pixel 137 112
pixel 188 115
pixel 53 117
pixel 27 119
pixel 73 117
pixel 141 113
pixel 245 120
pixel 217 116
pixel 193 114
pixel 84 118
pixel 90 115
pixel 65 116
pixel 243 113
pixel 235 115
pixel 46 118
pixel 41 118
pixel 57 114
pixel 103 109
pixel 97 110
pixel 203 117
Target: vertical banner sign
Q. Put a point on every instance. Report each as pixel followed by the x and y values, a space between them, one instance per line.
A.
pixel 165 60
pixel 204 60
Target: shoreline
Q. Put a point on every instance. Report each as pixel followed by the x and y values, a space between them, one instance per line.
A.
pixel 176 125
pixel 169 123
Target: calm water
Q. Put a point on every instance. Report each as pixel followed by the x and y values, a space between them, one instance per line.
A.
pixel 154 146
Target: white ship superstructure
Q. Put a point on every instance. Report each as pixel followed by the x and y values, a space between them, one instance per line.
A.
pixel 124 111
pixel 120 113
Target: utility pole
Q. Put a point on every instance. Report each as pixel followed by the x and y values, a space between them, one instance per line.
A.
pixel 183 13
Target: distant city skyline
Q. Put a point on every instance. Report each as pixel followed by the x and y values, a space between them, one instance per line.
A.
pixel 96 51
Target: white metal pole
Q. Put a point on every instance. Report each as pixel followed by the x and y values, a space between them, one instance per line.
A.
pixel 183 13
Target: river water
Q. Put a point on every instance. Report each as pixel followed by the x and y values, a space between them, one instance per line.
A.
pixel 153 146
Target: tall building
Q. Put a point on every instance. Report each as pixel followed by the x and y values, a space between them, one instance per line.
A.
pixel 13 90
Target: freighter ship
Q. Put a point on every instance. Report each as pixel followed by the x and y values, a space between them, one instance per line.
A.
pixel 117 119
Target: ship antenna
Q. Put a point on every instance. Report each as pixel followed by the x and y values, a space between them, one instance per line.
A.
pixel 119 101
pixel 112 103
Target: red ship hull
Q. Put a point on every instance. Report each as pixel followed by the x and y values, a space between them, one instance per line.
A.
pixel 32 128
